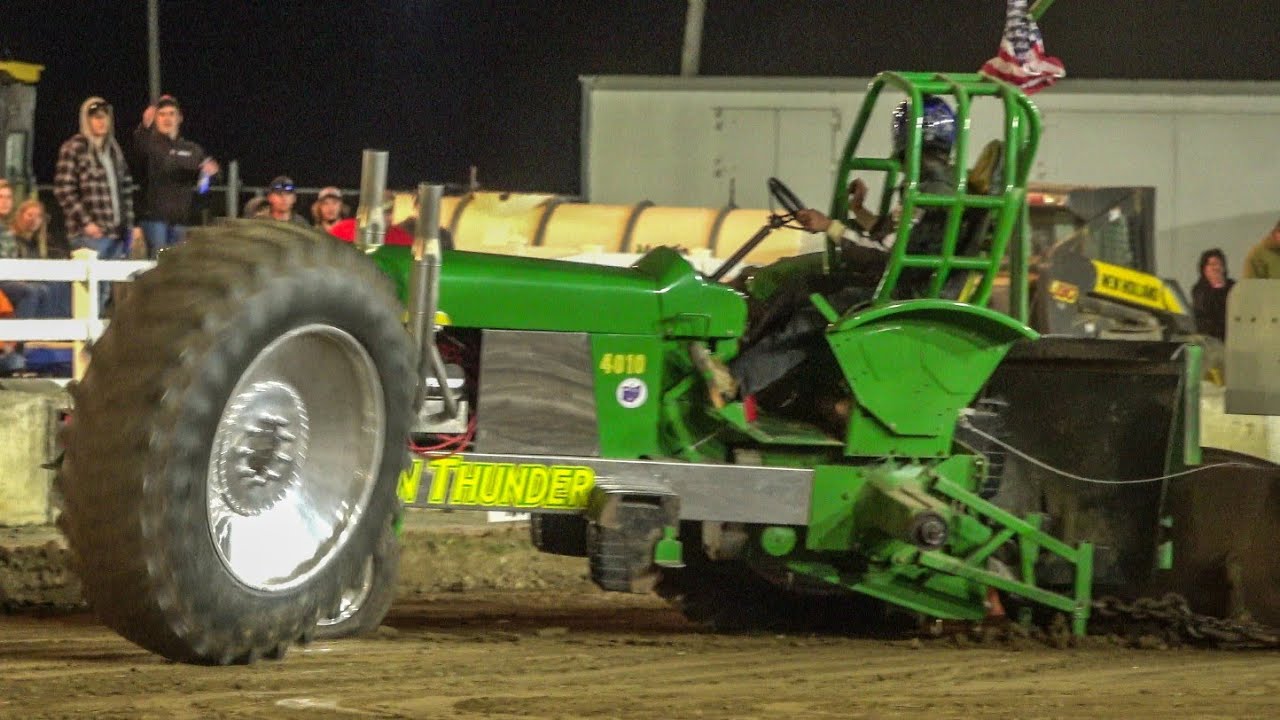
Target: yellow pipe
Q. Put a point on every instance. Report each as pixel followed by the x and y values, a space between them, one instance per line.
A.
pixel 519 224
pixel 689 228
pixel 582 227
pixel 497 222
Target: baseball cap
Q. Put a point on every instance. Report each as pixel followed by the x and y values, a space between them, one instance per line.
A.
pixel 281 183
pixel 330 192
pixel 168 101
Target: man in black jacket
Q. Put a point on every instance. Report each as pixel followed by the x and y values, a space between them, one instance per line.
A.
pixel 169 168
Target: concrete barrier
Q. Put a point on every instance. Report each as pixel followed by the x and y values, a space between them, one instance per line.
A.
pixel 1256 435
pixel 28 439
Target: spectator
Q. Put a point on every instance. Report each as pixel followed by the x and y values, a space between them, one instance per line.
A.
pixel 410 226
pixel 1263 261
pixel 345 230
pixel 169 167
pixel 93 186
pixel 30 229
pixel 1209 294
pixel 253 206
pixel 26 238
pixel 6 204
pixel 280 201
pixel 9 247
pixel 398 235
pixel 10 359
pixel 328 208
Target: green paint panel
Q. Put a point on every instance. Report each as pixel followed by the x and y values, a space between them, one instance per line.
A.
pixel 692 306
pixel 661 295
pixel 832 522
pixel 395 261
pixel 629 377
pixel 518 293
pixel 912 366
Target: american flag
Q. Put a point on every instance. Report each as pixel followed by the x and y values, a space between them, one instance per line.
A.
pixel 1022 59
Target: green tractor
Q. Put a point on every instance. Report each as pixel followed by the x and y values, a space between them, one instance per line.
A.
pixel 239 441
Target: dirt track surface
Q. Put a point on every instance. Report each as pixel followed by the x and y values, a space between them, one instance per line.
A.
pixel 485 626
pixel 561 654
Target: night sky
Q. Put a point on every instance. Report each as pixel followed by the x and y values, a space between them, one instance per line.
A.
pixel 301 87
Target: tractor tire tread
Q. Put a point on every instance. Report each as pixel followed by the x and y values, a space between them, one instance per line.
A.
pixel 138 447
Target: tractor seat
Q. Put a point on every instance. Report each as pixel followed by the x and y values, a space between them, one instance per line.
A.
pixel 985 178
pixel 987 170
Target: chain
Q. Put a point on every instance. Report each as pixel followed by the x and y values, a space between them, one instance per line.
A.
pixel 1173 613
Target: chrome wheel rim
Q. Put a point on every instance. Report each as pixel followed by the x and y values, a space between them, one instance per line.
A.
pixel 353 598
pixel 295 457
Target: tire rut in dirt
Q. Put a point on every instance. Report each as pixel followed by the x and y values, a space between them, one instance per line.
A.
pixel 136 472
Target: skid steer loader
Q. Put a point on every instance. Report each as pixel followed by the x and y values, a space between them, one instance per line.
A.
pixel 1093 267
pixel 240 436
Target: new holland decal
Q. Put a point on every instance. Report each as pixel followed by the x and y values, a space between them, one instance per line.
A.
pixel 1131 286
pixel 1064 291
pixel 454 481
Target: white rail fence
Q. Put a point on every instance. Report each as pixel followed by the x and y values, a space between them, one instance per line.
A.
pixel 86 273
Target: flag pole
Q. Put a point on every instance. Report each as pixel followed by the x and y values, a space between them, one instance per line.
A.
pixel 1039 8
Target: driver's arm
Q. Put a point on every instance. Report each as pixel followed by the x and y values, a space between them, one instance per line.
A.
pixel 857 205
pixel 814 221
pixel 864 217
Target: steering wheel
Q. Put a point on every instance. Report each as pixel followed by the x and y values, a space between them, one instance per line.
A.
pixel 789 201
pixel 784 196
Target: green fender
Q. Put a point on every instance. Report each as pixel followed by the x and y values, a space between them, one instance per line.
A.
pixel 912 366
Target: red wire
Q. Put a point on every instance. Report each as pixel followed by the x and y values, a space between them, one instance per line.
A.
pixel 455 352
pixel 451 444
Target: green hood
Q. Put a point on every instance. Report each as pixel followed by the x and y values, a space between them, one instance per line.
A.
pixel 661 295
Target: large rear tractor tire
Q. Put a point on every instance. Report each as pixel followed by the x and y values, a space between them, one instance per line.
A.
pixel 236 442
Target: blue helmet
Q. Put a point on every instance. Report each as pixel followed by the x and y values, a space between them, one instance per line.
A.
pixel 939 126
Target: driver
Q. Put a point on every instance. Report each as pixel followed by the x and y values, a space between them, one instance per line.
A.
pixel 786 331
pixel 937 176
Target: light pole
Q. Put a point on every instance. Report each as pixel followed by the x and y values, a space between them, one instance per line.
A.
pixel 153 48
pixel 691 54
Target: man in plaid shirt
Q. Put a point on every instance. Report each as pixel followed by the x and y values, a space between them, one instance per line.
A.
pixel 93 185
